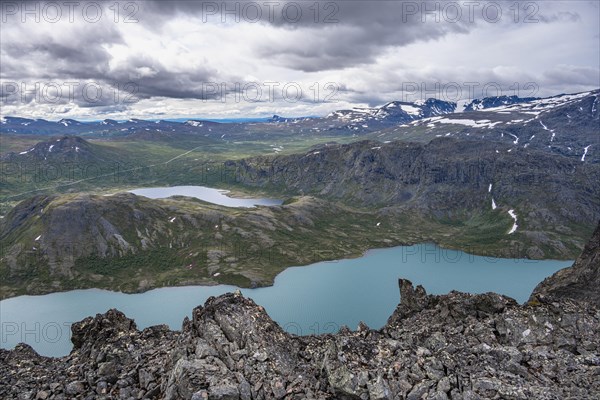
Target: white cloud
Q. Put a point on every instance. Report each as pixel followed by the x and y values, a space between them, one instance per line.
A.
pixel 371 55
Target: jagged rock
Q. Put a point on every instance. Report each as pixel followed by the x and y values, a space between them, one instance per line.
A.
pixel 410 298
pixel 107 370
pixel 75 388
pixel 419 391
pixel 103 327
pixel 42 395
pixel 379 390
pixel 234 351
pixel 455 346
pixel 224 392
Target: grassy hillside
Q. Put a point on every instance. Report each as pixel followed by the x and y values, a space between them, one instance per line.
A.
pixel 131 243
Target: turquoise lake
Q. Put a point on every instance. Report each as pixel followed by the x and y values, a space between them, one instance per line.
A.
pixel 211 195
pixel 318 298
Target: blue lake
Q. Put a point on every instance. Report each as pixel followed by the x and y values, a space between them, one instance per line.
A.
pixel 207 194
pixel 318 298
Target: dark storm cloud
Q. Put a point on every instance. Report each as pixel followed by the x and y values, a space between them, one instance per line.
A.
pixel 344 48
pixel 294 14
pixel 330 35
pixel 333 35
pixel 80 53
pixel 161 82
pixel 342 34
pixel 367 29
pixel 41 60
pixel 55 60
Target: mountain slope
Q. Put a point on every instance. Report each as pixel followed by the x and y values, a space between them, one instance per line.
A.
pixel 64 164
pixel 449 181
pixel 132 243
pixel 61 150
pixel 565 125
pixel 581 281
pixel 443 175
pixel 497 101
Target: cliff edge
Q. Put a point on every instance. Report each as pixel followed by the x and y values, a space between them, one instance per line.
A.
pixel 579 282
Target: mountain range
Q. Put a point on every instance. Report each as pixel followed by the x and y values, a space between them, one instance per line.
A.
pixel 515 178
pixel 357 119
pixel 455 193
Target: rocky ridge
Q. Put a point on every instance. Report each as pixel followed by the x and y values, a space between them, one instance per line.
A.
pixel 581 281
pixel 454 346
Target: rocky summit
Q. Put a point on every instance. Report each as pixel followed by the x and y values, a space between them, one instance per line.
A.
pixel 454 346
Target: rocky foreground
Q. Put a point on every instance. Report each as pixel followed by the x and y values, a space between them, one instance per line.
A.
pixel 455 346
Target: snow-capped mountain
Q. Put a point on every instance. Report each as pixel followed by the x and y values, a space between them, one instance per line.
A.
pixel 496 101
pixel 109 122
pixel 69 122
pixel 568 121
pixel 357 120
pixel 396 112
pixel 28 126
pixel 566 124
pixel 538 106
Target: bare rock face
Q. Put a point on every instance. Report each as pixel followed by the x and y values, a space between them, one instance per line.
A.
pixel 411 299
pixel 581 281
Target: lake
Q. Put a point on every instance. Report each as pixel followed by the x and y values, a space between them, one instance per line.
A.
pixel 318 298
pixel 211 195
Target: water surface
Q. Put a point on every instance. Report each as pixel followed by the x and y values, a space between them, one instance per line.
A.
pixel 318 298
pixel 211 195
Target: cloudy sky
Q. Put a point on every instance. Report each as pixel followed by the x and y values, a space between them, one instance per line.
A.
pixel 227 59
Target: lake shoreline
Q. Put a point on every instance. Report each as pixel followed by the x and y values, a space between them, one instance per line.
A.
pixel 265 283
pixel 314 298
pixel 222 197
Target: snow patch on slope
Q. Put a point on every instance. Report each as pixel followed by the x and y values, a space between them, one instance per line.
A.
pixel 585 151
pixel 515 226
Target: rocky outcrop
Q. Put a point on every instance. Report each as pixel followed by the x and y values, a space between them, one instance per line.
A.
pixel 456 346
pixel 579 282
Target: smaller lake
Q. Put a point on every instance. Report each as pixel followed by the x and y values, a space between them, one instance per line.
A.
pixel 210 195
pixel 318 298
